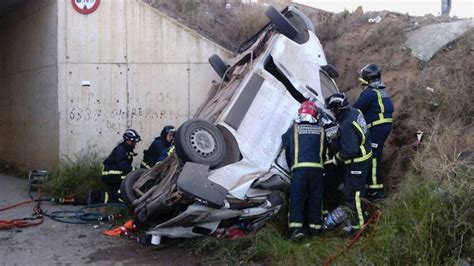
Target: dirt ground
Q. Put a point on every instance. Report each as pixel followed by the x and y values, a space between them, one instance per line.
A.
pixel 57 243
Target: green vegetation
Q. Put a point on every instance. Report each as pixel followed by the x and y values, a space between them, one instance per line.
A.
pixel 426 222
pixel 75 176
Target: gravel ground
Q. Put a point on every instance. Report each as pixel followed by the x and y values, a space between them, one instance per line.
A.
pixel 58 243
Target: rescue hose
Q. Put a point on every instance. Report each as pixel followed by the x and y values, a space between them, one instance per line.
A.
pixel 375 218
pixel 81 216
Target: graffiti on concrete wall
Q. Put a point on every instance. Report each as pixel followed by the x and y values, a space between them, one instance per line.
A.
pixel 146 99
pixel 77 115
pixel 114 115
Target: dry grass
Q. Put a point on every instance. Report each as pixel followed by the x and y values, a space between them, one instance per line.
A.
pixel 228 27
pixel 439 158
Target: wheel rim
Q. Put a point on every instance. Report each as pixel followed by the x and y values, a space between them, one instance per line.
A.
pixel 203 142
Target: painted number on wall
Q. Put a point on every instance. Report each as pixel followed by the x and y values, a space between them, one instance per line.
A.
pixel 85 6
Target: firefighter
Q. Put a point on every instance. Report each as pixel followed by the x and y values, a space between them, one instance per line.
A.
pixel 116 167
pixel 377 107
pixel 160 148
pixel 305 148
pixel 332 173
pixel 354 153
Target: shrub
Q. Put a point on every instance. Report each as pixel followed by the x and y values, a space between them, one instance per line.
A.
pixel 75 176
pixel 424 223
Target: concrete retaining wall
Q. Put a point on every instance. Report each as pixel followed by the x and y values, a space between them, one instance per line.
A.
pixel 72 82
pixel 29 129
pixel 145 71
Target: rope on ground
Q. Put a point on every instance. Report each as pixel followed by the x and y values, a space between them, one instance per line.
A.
pixel 375 218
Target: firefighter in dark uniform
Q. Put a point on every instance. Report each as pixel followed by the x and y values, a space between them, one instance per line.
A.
pixel 305 148
pixel 116 167
pixel 377 107
pixel 160 148
pixel 332 172
pixel 354 152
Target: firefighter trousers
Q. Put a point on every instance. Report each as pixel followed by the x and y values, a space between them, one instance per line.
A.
pixel 113 183
pixel 355 181
pixel 333 197
pixel 306 192
pixel 378 135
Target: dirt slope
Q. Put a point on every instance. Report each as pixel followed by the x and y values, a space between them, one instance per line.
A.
pixel 351 42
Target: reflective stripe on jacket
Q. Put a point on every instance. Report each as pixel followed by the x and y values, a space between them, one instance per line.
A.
pixel 119 162
pixel 355 145
pixel 305 145
pixel 376 105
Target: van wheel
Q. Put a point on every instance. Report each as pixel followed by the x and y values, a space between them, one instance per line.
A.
pixel 219 65
pixel 126 188
pixel 283 25
pixel 201 142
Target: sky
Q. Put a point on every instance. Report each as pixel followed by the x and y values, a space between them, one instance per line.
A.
pixel 459 8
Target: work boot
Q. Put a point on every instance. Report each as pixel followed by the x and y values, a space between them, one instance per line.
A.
pixel 296 234
pixel 94 197
pixel 145 239
pixel 375 195
pixel 349 231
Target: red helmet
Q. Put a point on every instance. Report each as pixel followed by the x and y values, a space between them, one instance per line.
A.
pixel 308 107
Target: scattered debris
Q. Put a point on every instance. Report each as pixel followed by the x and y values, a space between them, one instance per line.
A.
pixel 429 89
pixel 419 135
pixel 377 19
pixel 155 240
pixel 230 233
pixel 126 229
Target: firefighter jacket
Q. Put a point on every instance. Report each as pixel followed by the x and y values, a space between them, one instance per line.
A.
pixel 354 144
pixel 375 104
pixel 157 152
pixel 331 132
pixel 119 161
pixel 305 145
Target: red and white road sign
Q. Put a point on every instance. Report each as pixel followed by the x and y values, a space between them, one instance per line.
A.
pixel 85 6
